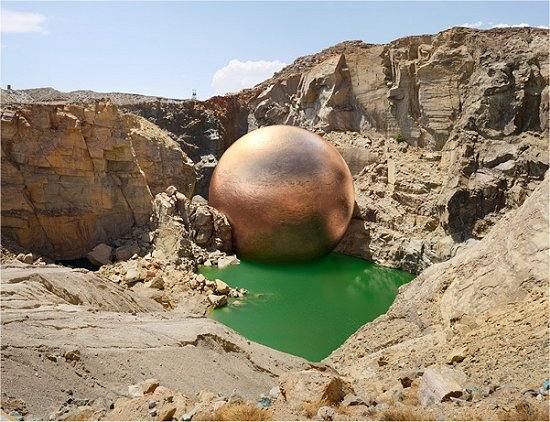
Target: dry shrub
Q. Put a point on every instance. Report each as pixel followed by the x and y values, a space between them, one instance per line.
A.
pixel 236 412
pixel 310 409
pixel 405 413
pixel 525 411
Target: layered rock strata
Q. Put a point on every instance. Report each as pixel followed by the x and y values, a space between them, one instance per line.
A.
pixel 74 176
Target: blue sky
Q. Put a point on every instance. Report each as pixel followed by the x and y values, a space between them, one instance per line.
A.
pixel 170 48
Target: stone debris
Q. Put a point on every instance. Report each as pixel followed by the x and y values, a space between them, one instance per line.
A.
pixel 326 413
pixel 313 386
pixel 144 387
pixel 221 287
pixel 227 261
pixel 217 301
pixel 457 355
pixel 125 252
pixel 353 400
pixel 27 258
pixel 182 235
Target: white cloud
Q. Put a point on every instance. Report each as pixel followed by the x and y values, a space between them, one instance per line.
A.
pixel 491 25
pixel 21 22
pixel 238 75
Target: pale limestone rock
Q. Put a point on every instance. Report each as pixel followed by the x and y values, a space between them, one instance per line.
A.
pixel 313 386
pixel 221 287
pixel 227 261
pixel 492 292
pixel 439 384
pixel 72 175
pixel 145 387
pixel 479 141
pixel 217 301
pixel 326 413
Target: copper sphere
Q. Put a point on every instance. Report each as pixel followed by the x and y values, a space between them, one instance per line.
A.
pixel 287 193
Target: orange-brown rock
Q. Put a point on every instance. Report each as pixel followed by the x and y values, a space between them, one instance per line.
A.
pixel 74 176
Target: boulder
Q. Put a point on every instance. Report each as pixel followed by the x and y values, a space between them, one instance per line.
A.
pixel 439 384
pixel 133 274
pixel 100 255
pixel 313 386
pixel 227 261
pixel 326 413
pixel 221 287
pixel 457 355
pixel 125 252
pixel 26 258
pixel 144 387
pixel 217 301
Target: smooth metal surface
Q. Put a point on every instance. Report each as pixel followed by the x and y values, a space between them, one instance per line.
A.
pixel 287 192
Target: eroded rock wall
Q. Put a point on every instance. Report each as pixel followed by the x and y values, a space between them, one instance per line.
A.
pixel 444 133
pixel 74 175
pixel 203 129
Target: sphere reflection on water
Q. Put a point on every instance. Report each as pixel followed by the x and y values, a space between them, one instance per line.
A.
pixel 287 192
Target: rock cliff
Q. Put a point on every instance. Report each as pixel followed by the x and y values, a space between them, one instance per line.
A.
pixel 74 176
pixel 444 133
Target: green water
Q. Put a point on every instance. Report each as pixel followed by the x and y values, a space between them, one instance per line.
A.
pixel 306 309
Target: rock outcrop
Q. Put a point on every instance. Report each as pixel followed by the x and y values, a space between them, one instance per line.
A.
pixel 183 234
pixel 482 313
pixel 445 133
pixel 204 130
pixel 74 176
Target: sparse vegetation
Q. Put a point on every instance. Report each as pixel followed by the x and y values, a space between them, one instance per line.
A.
pixel 406 413
pixel 524 411
pixel 399 137
pixel 310 409
pixel 236 412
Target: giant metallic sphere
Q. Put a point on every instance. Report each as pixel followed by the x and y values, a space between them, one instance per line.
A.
pixel 287 193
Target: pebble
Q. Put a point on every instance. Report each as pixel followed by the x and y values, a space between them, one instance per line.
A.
pixel 264 402
pixel 326 413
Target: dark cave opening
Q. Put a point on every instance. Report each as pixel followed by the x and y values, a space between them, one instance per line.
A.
pixel 78 263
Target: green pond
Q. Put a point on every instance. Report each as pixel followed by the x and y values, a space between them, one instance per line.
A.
pixel 306 309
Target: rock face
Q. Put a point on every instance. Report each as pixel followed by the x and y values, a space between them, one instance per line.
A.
pixel 160 157
pixel 179 220
pixel 490 301
pixel 444 133
pixel 75 176
pixel 203 130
